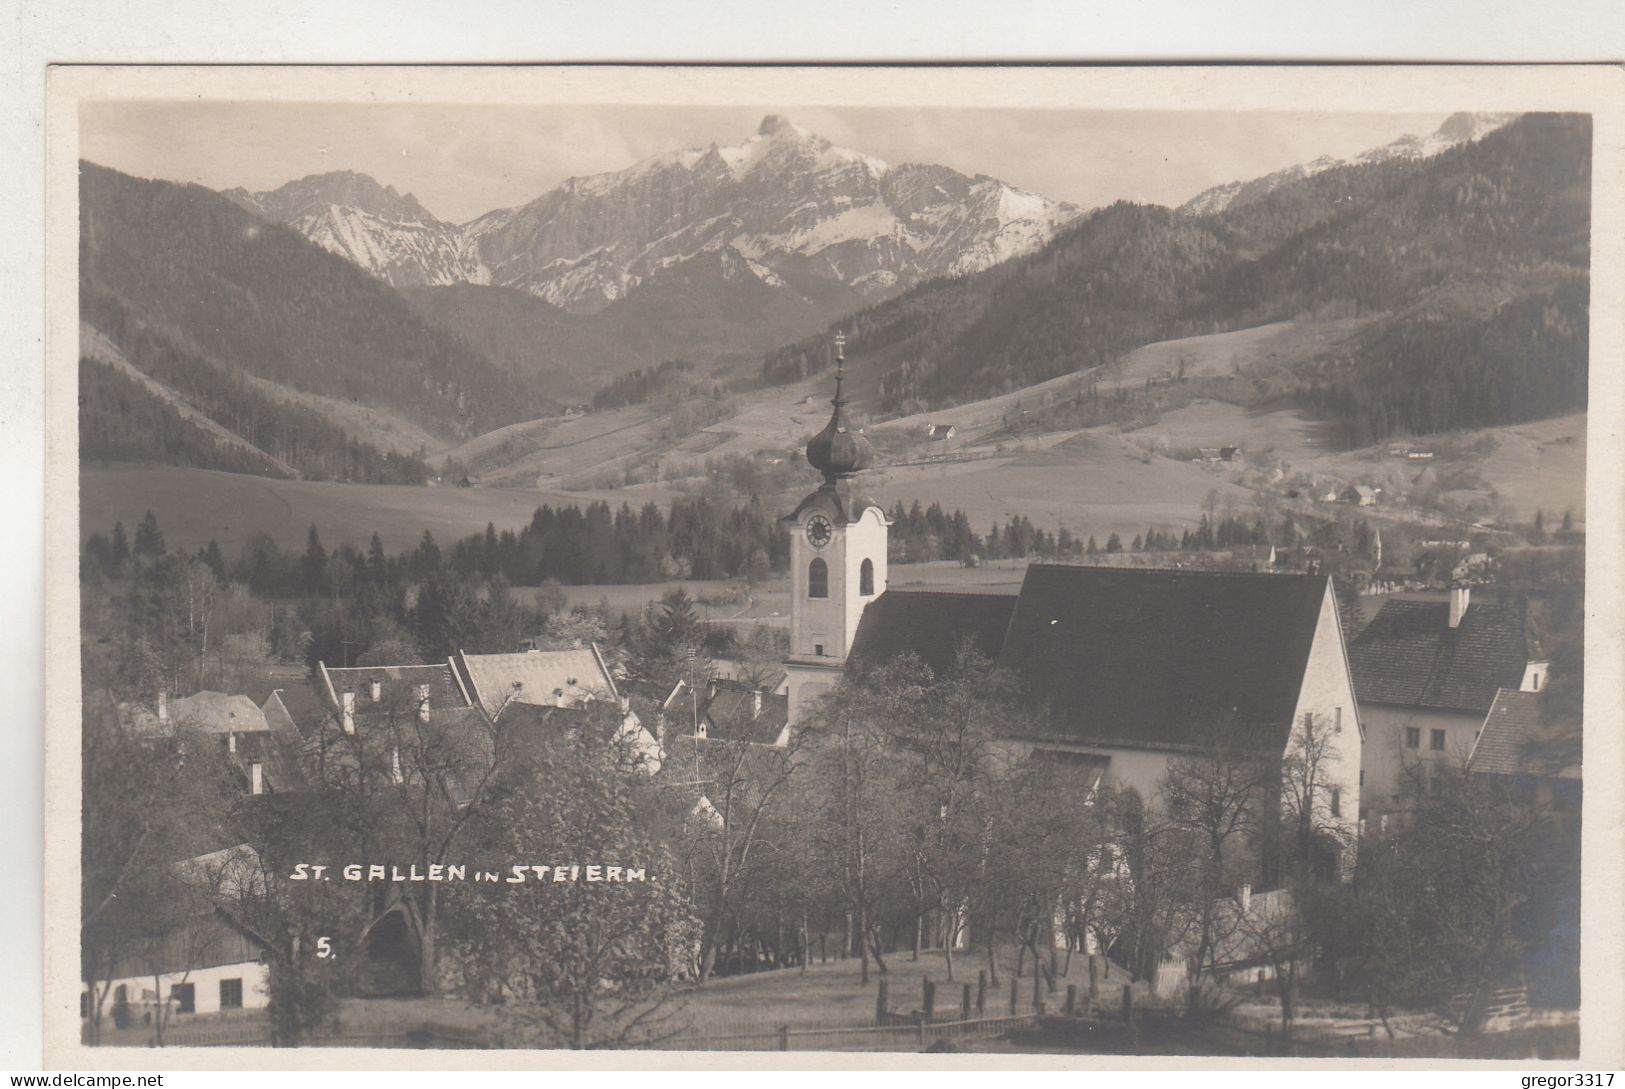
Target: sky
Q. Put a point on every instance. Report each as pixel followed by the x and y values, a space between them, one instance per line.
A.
pixel 463 160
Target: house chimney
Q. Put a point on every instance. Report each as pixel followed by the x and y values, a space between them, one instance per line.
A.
pixel 256 778
pixel 347 705
pixel 755 703
pixel 423 703
pixel 378 691
pixel 1245 897
pixel 1458 604
pixel 395 766
pixel 231 742
pixel 163 706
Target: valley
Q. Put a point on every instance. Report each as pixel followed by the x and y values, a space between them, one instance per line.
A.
pixel 1080 370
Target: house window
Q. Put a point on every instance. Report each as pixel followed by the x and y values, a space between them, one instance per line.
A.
pixel 231 994
pixel 1436 741
pixel 1362 777
pixel 818 579
pixel 1337 801
pixel 84 1003
pixel 1413 737
pixel 866 578
pixel 184 995
pixel 1537 674
pixel 818 649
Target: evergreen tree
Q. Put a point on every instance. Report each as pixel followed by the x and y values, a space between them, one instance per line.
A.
pixel 315 564
pixel 149 541
pixel 118 552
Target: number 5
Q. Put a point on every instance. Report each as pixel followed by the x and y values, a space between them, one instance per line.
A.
pixel 324 947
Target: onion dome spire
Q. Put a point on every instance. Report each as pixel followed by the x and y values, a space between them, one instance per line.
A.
pixel 840 450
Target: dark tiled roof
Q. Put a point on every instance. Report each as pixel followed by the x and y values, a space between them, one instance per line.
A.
pixel 1518 739
pixel 1150 656
pixel 279 752
pixel 210 940
pixel 396 680
pixel 298 706
pixel 932 625
pixel 1410 656
pixel 731 715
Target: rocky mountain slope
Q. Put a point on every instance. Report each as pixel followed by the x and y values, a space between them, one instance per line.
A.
pixel 749 244
pixel 389 234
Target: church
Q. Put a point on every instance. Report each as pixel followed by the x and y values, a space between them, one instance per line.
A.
pixel 1129 669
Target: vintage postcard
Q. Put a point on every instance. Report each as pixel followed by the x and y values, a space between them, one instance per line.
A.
pixel 991 566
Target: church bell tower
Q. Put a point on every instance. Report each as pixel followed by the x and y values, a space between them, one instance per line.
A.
pixel 837 556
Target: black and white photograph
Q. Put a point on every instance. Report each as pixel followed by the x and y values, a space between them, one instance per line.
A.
pixel 827 561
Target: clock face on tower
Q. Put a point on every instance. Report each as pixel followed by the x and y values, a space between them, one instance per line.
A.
pixel 818 531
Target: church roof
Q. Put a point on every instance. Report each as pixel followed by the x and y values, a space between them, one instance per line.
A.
pixel 1410 655
pixel 1121 655
pixel 1150 657
pixel 932 625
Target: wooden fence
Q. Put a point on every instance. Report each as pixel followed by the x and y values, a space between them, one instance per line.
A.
pixel 913 1034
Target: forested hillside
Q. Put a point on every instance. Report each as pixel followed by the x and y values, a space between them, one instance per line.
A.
pixel 290 434
pixel 121 420
pixel 260 298
pixel 1430 249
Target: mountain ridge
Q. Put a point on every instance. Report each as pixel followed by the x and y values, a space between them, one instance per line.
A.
pixel 1458 128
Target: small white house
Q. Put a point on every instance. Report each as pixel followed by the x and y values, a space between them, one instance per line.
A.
pixel 211 967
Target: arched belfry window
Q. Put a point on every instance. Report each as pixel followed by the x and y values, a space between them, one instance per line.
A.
pixel 866 578
pixel 818 579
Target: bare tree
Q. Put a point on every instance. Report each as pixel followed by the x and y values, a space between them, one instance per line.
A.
pixel 1216 798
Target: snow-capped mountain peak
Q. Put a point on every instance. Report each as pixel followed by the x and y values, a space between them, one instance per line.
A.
pixel 795 210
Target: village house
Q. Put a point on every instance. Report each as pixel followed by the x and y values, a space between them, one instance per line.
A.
pixel 1427 674
pixel 211 967
pixel 940 432
pixel 263 751
pixel 1533 749
pixel 726 710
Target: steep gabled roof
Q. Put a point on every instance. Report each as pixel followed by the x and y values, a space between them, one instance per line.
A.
pixel 541 677
pixel 1410 656
pixel 394 680
pixel 1150 657
pixel 1518 739
pixel 297 707
pixel 932 625
pixel 731 714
